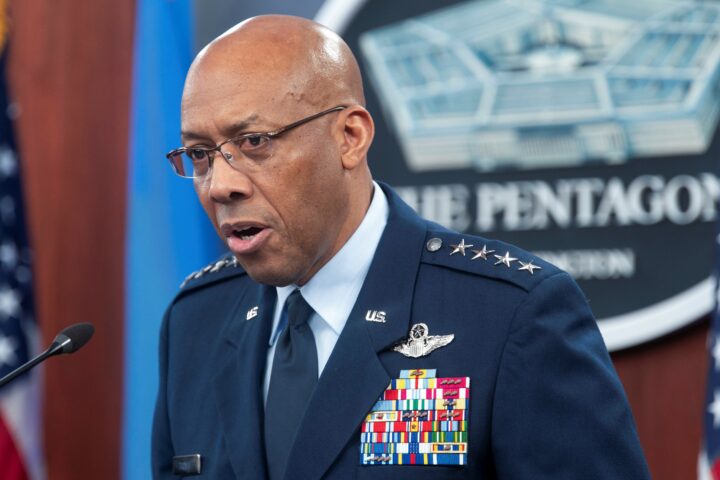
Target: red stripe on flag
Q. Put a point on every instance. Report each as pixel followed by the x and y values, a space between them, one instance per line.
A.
pixel 715 470
pixel 13 467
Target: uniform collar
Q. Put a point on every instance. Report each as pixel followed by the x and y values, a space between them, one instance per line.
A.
pixel 333 290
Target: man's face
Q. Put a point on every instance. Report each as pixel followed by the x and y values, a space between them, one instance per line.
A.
pixel 281 216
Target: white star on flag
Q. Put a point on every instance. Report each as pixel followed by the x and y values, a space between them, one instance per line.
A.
pixel 8 162
pixel 21 455
pixel 9 303
pixel 714 409
pixel 8 255
pixel 716 353
pixel 7 351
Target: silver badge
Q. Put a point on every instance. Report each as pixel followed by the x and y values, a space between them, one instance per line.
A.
pixel 252 313
pixel 419 343
pixel 433 245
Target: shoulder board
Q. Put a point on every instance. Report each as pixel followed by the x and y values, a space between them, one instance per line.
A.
pixel 226 266
pixel 485 257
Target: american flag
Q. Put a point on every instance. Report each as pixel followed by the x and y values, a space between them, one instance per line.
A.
pixel 20 442
pixel 709 461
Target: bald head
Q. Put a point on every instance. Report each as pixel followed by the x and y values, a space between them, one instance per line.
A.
pixel 303 61
pixel 286 201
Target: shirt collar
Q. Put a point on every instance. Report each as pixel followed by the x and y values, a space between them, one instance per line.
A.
pixel 332 291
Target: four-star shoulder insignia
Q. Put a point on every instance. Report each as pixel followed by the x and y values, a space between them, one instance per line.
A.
pixel 433 245
pixel 228 261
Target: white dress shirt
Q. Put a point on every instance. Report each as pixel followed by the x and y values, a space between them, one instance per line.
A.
pixel 333 290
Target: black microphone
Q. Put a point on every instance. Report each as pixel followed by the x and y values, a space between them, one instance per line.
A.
pixel 69 340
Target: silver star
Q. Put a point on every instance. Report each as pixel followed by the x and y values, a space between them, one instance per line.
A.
pixel 9 303
pixel 218 265
pixel 482 253
pixel 7 351
pixel 714 409
pixel 460 248
pixel 529 267
pixel 504 259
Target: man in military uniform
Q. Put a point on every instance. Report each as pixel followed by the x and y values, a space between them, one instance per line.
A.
pixel 345 337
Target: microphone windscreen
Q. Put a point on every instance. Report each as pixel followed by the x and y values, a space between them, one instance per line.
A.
pixel 79 334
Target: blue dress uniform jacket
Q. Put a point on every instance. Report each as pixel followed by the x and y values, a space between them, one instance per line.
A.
pixel 545 401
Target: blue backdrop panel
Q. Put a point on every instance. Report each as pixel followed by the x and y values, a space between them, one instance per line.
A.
pixel 168 234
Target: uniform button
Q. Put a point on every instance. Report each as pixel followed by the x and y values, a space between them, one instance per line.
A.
pixel 434 244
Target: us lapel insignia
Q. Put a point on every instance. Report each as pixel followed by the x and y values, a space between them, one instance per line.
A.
pixel 420 343
pixel 252 313
pixel 375 316
pixel 418 420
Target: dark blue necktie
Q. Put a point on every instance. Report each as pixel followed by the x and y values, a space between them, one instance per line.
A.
pixel 292 381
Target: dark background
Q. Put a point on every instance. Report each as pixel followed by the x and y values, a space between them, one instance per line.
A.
pixel 669 258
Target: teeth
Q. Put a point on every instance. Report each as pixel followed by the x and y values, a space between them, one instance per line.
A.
pixel 246 233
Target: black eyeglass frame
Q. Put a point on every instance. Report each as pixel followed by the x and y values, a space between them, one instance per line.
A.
pixel 269 135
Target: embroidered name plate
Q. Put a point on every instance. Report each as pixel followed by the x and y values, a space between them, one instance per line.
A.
pixel 418 420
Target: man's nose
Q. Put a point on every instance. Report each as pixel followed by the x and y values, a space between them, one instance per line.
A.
pixel 226 183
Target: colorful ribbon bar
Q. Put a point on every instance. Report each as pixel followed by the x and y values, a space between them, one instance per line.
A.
pixel 380 427
pixel 419 383
pixel 381 448
pixel 417 415
pixel 413 459
pixel 418 420
pixel 417 373
pixel 413 437
pixel 444 404
pixel 425 393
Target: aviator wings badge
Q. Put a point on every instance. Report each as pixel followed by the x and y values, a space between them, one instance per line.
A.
pixel 419 343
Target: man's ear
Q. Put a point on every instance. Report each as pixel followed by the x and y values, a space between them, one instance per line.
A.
pixel 357 133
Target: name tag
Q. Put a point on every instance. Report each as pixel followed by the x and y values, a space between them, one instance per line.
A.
pixel 187 465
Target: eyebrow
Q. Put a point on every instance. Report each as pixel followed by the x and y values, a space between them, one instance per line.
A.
pixel 228 131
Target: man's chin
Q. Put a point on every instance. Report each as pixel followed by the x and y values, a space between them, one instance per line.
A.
pixel 266 275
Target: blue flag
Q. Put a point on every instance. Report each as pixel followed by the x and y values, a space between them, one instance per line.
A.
pixel 168 233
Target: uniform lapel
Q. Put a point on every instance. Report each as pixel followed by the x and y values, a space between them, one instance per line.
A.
pixel 238 384
pixel 354 377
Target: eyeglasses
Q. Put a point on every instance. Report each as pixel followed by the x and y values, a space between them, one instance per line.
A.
pixel 196 162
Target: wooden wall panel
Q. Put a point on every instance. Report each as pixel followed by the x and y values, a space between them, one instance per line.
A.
pixel 665 382
pixel 70 73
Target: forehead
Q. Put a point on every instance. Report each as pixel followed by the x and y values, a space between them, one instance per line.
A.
pixel 246 78
pixel 212 98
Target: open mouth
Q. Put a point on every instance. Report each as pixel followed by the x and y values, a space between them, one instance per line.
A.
pixel 246 233
pixel 245 237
